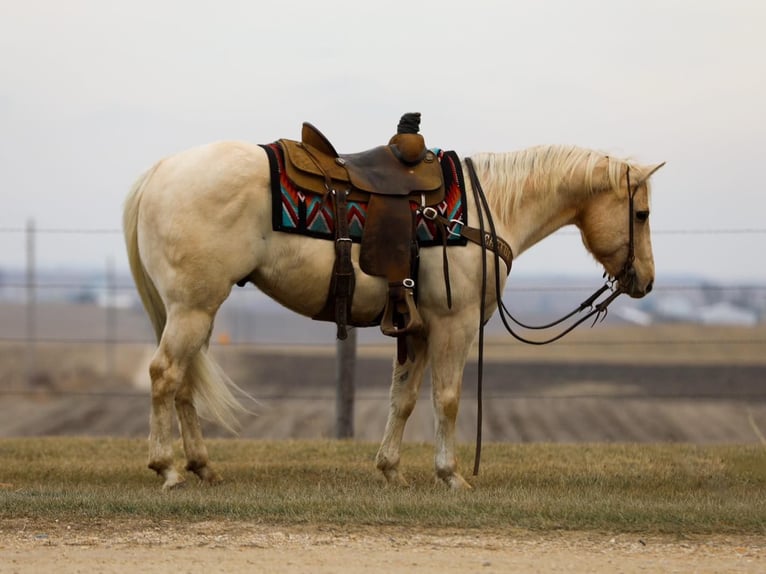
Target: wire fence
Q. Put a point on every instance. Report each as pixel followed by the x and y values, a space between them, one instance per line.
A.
pixel 110 339
pixel 33 289
pixel 28 286
pixel 669 231
pixel 382 395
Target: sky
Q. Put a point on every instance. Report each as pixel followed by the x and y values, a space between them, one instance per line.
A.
pixel 93 92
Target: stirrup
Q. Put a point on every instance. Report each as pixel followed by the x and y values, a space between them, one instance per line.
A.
pixel 401 308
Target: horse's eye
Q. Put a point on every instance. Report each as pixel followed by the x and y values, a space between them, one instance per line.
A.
pixel 642 215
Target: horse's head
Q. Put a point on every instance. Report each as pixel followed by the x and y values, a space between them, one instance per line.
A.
pixel 614 225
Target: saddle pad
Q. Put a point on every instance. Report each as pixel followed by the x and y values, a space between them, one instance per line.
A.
pixel 294 211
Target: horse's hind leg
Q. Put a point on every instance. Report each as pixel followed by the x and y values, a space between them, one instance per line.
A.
pixel 405 384
pixel 184 335
pixel 195 450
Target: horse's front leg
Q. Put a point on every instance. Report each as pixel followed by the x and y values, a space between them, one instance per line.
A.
pixel 447 350
pixel 405 384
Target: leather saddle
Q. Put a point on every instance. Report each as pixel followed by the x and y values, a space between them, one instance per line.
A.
pixel 314 166
pixel 388 178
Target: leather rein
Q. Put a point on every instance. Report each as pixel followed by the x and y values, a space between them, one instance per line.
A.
pixel 599 310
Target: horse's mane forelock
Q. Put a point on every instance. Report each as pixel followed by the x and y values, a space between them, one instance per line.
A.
pixel 544 167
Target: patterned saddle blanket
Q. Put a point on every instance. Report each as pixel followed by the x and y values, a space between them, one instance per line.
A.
pixel 305 213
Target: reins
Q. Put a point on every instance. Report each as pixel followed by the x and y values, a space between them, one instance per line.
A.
pixel 599 309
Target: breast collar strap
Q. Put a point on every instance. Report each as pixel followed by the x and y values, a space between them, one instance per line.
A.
pixel 480 237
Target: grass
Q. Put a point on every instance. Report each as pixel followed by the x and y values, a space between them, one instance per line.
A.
pixel 675 489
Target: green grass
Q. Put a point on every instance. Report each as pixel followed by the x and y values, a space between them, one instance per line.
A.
pixel 678 489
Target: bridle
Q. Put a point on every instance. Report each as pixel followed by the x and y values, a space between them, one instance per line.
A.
pixel 616 284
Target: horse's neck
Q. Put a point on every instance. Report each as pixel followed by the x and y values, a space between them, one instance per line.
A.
pixel 533 205
pixel 536 219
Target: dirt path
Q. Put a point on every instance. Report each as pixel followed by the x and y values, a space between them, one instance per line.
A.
pixel 127 546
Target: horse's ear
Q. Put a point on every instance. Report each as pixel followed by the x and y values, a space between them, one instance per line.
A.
pixel 650 169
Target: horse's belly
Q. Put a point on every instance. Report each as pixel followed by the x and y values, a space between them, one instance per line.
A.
pixel 298 272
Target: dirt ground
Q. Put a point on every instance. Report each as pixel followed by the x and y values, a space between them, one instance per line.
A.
pixel 128 546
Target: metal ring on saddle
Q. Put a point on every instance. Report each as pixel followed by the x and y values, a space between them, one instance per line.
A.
pixel 429 213
pixel 432 214
pixel 451 229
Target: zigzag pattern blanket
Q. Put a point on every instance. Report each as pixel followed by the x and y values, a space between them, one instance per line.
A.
pixel 294 211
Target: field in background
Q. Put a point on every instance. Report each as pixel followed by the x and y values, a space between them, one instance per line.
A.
pixel 68 324
pixel 665 383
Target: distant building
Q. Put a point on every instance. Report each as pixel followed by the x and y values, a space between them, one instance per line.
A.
pixel 725 313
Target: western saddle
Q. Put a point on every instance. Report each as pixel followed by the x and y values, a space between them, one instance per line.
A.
pixel 388 178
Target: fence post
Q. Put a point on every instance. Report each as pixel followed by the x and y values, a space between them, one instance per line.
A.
pixel 344 400
pixel 111 319
pixel 31 366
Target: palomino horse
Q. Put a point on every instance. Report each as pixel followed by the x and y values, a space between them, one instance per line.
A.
pixel 200 221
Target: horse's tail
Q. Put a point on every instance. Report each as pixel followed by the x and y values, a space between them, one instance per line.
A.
pixel 211 388
pixel 150 297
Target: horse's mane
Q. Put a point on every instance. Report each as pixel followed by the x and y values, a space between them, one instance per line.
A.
pixel 542 168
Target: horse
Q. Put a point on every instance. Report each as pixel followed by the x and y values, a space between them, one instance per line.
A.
pixel 200 221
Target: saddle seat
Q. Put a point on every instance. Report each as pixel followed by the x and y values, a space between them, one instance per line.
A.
pixel 314 166
pixel 388 178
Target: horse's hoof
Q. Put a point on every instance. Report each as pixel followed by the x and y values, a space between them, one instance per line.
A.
pixel 208 476
pixel 455 482
pixel 394 478
pixel 173 481
pixel 204 472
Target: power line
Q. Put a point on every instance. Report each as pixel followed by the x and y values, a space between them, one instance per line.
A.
pixel 743 231
pixel 510 288
pixel 78 285
pixel 237 344
pixel 62 230
pixel 383 395
pixel 105 231
pixel 657 289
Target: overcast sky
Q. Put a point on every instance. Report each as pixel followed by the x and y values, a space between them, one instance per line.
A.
pixel 92 92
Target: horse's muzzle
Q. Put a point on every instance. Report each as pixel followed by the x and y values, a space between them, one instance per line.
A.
pixel 635 290
pixel 628 283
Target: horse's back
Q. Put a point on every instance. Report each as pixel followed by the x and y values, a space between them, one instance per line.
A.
pixel 215 172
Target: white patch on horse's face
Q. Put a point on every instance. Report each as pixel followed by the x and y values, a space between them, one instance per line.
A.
pixel 605 231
